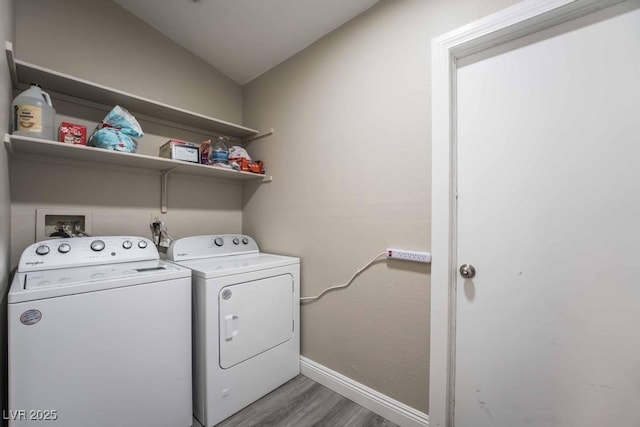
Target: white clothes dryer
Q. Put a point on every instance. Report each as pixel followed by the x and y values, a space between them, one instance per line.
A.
pixel 246 330
pixel 99 335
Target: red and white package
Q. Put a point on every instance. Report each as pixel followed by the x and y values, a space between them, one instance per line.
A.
pixel 70 133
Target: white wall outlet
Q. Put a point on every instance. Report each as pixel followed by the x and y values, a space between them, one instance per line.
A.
pixel 405 255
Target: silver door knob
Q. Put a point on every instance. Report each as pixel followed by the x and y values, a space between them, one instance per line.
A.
pixel 467 271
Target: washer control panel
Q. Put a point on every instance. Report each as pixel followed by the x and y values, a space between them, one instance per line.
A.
pixel 62 253
pixel 211 246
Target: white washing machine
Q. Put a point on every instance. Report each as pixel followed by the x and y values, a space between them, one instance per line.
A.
pixel 246 330
pixel 99 335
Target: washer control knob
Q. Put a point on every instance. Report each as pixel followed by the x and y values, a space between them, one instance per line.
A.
pixel 64 248
pixel 42 250
pixel 236 241
pixel 97 245
pixel 127 244
pixel 245 241
pixel 142 244
pixel 218 241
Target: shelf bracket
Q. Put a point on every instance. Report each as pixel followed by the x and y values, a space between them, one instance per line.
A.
pixel 8 48
pixel 7 143
pixel 263 135
pixel 164 183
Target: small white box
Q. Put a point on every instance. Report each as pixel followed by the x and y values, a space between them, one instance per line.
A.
pixel 180 150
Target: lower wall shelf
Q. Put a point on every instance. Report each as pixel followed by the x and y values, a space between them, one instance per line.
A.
pixel 42 147
pixel 52 149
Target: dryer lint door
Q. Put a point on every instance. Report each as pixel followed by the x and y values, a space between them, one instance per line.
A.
pixel 254 317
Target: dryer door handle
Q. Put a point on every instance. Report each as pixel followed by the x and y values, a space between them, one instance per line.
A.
pixel 231 325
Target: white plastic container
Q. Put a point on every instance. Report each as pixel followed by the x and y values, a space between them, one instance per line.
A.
pixel 33 114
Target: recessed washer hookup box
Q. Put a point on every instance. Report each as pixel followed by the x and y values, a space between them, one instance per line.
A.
pixel 180 150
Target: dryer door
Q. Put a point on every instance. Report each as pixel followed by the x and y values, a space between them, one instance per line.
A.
pixel 254 317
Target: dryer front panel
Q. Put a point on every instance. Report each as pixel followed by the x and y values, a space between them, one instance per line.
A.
pixel 255 316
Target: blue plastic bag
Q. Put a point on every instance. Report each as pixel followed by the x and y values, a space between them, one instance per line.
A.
pixel 115 131
pixel 124 121
pixel 113 139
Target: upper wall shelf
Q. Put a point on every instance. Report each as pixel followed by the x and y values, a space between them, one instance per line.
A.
pixel 23 73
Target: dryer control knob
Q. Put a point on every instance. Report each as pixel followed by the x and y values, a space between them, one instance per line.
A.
pixel 218 241
pixel 42 250
pixel 97 245
pixel 64 248
pixel 142 244
pixel 127 244
pixel 245 241
pixel 236 241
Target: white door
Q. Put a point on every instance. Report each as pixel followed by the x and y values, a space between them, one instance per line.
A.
pixel 548 165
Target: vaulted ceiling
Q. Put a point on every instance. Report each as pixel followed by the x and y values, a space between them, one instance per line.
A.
pixel 245 38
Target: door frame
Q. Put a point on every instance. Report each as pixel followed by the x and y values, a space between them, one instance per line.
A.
pixel 517 21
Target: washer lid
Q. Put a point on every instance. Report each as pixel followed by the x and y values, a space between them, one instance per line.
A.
pixel 235 264
pixel 34 285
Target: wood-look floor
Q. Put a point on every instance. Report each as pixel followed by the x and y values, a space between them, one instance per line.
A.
pixel 304 403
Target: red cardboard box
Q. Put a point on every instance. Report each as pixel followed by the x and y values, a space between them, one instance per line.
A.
pixel 71 133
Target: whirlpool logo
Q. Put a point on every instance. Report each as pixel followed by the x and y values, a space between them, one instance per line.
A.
pixel 31 317
pixel 35 262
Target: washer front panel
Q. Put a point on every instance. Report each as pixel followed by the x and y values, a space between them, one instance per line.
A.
pixel 118 357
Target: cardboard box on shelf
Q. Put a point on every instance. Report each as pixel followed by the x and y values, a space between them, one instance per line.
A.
pixel 180 150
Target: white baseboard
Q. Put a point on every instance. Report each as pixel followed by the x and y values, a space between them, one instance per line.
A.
pixel 364 396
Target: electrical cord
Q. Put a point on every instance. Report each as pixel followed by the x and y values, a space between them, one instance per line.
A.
pixel 374 259
pixel 161 238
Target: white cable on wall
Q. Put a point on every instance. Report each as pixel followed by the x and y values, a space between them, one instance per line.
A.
pixel 374 259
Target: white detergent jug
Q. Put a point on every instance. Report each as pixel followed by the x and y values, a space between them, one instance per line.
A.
pixel 33 114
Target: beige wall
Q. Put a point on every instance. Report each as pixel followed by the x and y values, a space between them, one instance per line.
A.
pixel 351 165
pixel 99 41
pixel 6 33
pixel 108 45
